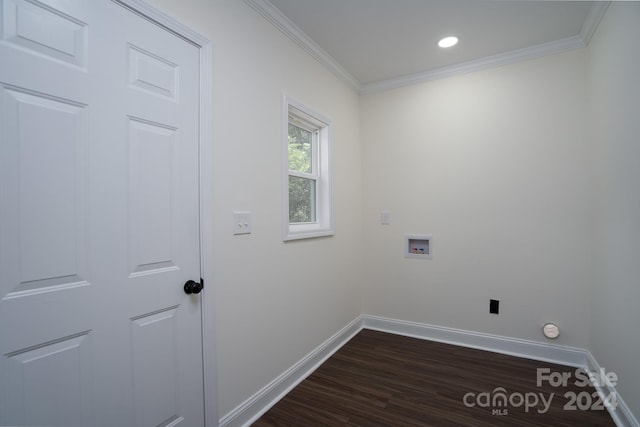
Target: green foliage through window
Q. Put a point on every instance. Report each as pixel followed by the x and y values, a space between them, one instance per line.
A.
pixel 302 200
pixel 300 146
pixel 302 190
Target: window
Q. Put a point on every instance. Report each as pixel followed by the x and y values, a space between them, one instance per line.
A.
pixel 307 178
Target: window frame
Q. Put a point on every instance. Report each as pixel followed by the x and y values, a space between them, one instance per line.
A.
pixel 321 128
pixel 314 175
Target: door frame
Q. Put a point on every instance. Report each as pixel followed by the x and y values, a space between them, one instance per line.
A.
pixel 205 145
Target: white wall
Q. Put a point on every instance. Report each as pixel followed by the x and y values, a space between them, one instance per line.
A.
pixel 614 76
pixel 276 302
pixel 495 165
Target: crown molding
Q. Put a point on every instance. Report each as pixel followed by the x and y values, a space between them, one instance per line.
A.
pixel 518 55
pixel 593 20
pixel 291 30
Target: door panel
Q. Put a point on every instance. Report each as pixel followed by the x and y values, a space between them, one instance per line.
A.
pixel 152 73
pixel 45 199
pixel 44 30
pixel 153 335
pixel 99 218
pixel 151 217
pixel 61 368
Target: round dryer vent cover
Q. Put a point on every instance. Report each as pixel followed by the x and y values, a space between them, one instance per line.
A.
pixel 551 330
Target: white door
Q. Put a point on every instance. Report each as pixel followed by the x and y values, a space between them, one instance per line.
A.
pixel 99 218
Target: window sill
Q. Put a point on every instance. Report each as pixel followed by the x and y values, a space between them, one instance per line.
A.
pixel 306 231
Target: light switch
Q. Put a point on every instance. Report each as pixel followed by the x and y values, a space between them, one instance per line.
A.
pixel 241 222
pixel 385 218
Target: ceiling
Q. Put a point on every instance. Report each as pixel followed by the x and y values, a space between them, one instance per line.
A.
pixel 376 44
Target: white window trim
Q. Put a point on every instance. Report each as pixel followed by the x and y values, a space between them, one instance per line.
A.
pixel 324 225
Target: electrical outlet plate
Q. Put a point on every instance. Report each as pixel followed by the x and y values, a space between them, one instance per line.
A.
pixel 494 306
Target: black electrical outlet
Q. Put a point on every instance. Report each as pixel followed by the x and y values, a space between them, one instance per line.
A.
pixel 494 306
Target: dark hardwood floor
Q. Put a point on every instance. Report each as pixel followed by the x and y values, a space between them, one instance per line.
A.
pixel 380 379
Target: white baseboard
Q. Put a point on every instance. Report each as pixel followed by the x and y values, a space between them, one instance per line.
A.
pixel 258 404
pixel 552 353
pixel 562 355
pixel 253 408
pixel 621 414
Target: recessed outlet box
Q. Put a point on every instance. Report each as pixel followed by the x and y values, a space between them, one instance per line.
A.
pixel 418 246
pixel 494 306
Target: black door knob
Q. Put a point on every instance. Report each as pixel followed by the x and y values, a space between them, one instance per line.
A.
pixel 192 287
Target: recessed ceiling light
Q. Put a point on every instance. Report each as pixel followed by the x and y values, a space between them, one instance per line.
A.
pixel 448 41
